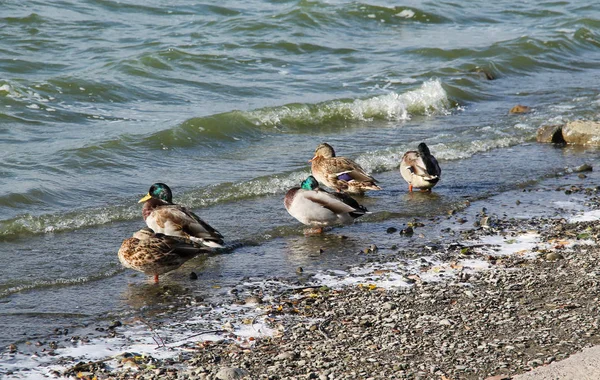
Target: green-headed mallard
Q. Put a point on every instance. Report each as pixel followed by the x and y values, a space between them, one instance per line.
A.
pixel 340 173
pixel 420 169
pixel 316 207
pixel 156 254
pixel 165 217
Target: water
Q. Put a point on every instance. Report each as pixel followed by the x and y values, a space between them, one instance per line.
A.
pixel 225 102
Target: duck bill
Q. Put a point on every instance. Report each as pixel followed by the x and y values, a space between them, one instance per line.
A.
pixel 312 159
pixel 146 197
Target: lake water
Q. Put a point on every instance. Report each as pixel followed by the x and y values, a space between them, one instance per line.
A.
pixel 226 102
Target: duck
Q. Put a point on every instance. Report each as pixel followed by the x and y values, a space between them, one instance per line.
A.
pixel 163 216
pixel 420 169
pixel 340 173
pixel 313 206
pixel 155 254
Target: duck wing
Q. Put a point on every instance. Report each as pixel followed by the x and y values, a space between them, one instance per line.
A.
pixel 175 219
pixel 200 229
pixel 169 246
pixel 432 166
pixel 335 202
pixel 348 170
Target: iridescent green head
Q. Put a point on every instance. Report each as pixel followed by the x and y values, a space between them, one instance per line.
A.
pixel 310 183
pixel 159 191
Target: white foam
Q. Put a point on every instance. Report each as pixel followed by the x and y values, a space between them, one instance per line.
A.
pixel 403 274
pixel 588 216
pixel 240 324
pixel 507 246
pixel 406 13
pixel 430 98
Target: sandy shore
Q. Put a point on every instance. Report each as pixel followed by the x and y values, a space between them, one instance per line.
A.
pixel 482 314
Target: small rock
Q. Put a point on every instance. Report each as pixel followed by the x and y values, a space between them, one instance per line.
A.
pixel 583 168
pixel 253 300
pixel 285 356
pixel 299 270
pixel 407 231
pixel 520 109
pixel 391 230
pixel 231 373
pixel 193 276
pixel 115 324
pixel 553 256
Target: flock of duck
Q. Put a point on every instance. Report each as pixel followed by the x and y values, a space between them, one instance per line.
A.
pixel 174 234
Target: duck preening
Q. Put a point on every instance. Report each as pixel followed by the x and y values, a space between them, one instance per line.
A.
pixel 420 169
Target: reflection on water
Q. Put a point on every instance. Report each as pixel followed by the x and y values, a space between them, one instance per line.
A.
pixel 173 286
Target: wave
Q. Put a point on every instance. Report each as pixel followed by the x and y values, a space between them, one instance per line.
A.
pixel 8 289
pixel 429 99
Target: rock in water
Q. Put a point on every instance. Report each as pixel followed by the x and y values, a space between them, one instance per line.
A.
pixel 582 132
pixel 519 109
pixel 550 134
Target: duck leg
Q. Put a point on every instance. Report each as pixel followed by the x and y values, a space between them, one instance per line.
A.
pixel 410 187
pixel 156 279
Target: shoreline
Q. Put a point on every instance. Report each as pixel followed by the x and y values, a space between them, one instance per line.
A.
pixel 479 311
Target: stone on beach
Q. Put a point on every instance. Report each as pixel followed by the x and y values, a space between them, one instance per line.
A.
pixel 231 373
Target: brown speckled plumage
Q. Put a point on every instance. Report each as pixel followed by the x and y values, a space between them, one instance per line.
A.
pixel 156 254
pixel 340 173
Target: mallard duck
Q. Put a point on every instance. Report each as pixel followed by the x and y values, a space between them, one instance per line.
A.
pixel 420 169
pixel 316 207
pixel 340 173
pixel 165 217
pixel 156 254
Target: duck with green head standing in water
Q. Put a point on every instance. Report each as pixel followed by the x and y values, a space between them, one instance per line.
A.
pixel 313 206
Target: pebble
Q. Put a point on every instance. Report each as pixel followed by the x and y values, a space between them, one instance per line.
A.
pixel 522 313
pixel 553 256
pixel 231 373
pixel 407 231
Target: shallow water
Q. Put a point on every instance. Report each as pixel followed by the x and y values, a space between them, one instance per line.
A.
pixel 226 103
